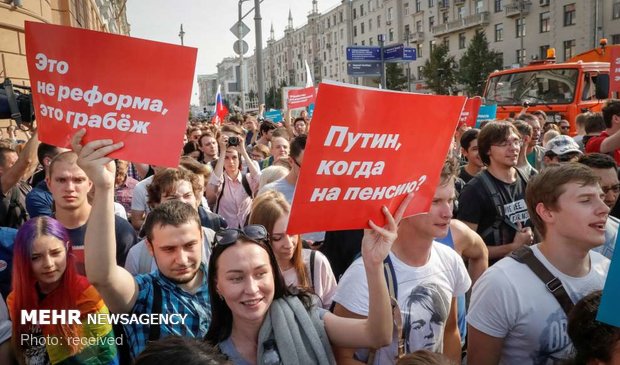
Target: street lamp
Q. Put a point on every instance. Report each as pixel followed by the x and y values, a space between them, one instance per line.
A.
pixel 259 52
pixel 181 34
pixel 240 42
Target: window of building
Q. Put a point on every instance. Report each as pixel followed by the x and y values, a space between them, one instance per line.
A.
pixel 362 28
pixel 479 6
pixel 498 6
pixel 460 12
pixel 354 13
pixel 355 30
pixel 615 13
pixel 462 40
pixel 370 42
pixel 521 54
pixel 615 39
pixel 570 13
pixel 431 22
pixel 520 27
pixel 431 45
pixel 431 3
pixel 391 35
pixel 420 70
pixel 569 49
pixel 420 49
pixel 543 52
pixel 407 31
pixel 446 42
pixel 378 21
pixel 369 25
pixel 362 10
pixel 363 42
pixel 341 16
pixel 419 26
pixel 418 6
pixel 499 32
pixel 389 15
pixel 545 22
pixel 500 55
pixel 444 17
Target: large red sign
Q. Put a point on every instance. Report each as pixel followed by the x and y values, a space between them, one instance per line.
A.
pixel 299 98
pixel 614 70
pixel 116 87
pixel 369 148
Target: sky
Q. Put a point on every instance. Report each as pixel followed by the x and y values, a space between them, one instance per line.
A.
pixel 207 24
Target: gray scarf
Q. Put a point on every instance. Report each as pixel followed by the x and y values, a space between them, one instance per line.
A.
pixel 299 334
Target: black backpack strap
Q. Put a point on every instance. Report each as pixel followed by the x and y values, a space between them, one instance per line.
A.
pixel 525 255
pixel 155 331
pixel 312 258
pixel 496 197
pixel 246 185
pixel 219 196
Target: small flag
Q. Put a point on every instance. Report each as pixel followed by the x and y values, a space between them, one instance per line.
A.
pixel 220 111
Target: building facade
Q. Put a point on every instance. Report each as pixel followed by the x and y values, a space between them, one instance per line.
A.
pixel 207 88
pixel 520 30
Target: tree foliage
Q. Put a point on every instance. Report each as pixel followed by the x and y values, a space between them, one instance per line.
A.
pixel 394 77
pixel 439 71
pixel 477 63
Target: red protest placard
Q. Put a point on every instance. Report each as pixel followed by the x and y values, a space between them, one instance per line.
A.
pixel 470 111
pixel 614 70
pixel 116 87
pixel 368 148
pixel 299 98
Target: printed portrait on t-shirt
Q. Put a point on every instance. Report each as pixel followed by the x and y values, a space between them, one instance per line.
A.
pixel 426 311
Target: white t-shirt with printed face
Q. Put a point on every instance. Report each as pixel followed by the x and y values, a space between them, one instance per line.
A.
pixel 424 297
pixel 509 301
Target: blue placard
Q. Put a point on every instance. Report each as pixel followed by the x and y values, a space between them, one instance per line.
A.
pixel 409 54
pixel 360 53
pixel 274 115
pixel 393 52
pixel 608 310
pixel 486 112
pixel 363 69
pixel 310 110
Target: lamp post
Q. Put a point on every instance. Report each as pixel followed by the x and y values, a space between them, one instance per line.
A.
pixel 259 52
pixel 181 34
pixel 240 42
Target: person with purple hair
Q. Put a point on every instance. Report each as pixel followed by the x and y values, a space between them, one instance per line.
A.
pixel 45 277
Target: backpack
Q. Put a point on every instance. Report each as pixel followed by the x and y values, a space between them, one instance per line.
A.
pixel 12 212
pixel 490 187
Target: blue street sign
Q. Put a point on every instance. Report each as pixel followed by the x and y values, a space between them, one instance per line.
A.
pixel 393 52
pixel 360 53
pixel 363 68
pixel 409 54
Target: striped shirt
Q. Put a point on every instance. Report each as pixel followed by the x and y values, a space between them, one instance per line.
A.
pixel 174 301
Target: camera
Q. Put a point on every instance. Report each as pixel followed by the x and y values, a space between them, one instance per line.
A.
pixel 233 141
pixel 526 103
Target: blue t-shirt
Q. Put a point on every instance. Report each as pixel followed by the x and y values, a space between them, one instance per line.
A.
pixel 7 238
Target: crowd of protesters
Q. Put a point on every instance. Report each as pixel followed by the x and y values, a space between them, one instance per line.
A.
pixel 507 266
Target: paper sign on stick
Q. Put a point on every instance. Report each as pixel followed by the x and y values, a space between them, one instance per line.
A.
pixel 116 87
pixel 369 148
pixel 608 309
pixel 614 70
pixel 299 98
pixel 470 112
pixel 486 112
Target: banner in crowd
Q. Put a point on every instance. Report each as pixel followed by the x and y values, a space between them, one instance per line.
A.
pixel 116 87
pixel 486 112
pixel 610 302
pixel 369 148
pixel 470 111
pixel 614 70
pixel 299 98
pixel 274 115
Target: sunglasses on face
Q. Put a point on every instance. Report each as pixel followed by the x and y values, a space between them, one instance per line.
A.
pixel 252 232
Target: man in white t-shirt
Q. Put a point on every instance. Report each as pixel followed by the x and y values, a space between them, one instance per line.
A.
pixel 429 276
pixel 513 317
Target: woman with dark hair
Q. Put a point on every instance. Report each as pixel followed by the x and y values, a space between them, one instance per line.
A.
pixel 44 277
pixel 303 268
pixel 192 149
pixel 255 317
pixel 175 350
pixel 595 343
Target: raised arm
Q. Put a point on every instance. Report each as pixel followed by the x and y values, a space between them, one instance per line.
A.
pixel 217 177
pixel 116 285
pixel 376 330
pixel 23 167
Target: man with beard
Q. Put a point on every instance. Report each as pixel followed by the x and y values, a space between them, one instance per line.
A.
pixel 174 238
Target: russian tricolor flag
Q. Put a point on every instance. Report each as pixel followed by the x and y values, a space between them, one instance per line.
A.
pixel 220 111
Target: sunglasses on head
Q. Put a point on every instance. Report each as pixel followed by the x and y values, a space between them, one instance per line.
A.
pixel 252 232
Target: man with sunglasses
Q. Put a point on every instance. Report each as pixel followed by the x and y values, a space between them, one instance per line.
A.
pixel 561 149
pixel 605 168
pixel 493 202
pixel 174 236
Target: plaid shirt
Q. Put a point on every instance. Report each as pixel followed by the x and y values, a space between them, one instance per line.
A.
pixel 174 301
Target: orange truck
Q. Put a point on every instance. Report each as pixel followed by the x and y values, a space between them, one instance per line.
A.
pixel 561 90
